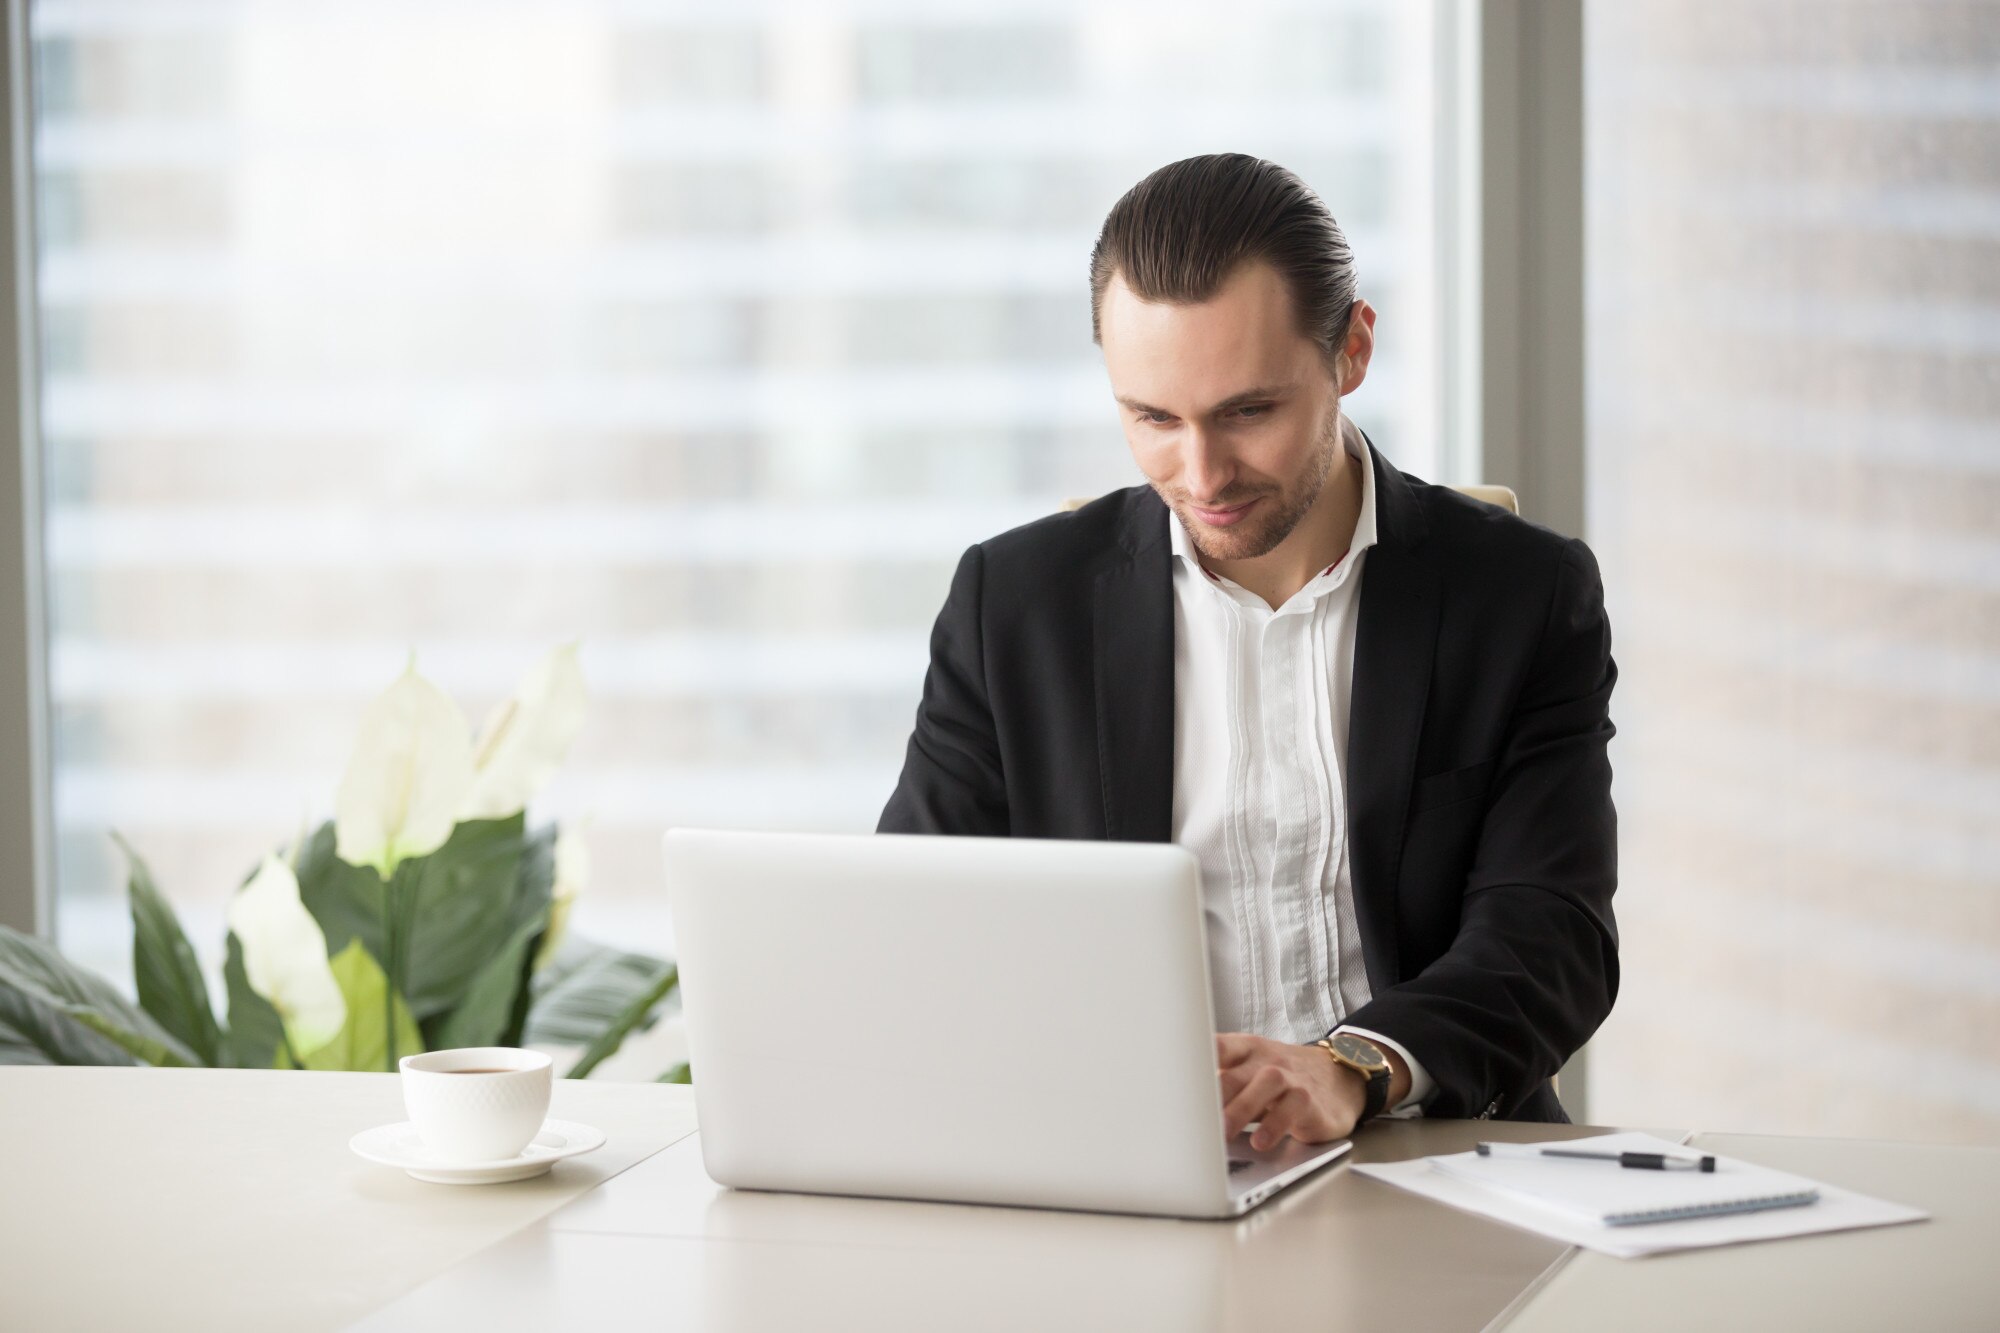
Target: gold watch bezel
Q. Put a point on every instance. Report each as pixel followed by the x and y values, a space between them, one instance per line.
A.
pixel 1356 1060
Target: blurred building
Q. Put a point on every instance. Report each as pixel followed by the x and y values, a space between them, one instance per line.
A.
pixel 1794 471
pixel 709 335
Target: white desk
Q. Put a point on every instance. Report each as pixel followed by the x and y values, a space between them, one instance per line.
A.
pixel 164 1199
pixel 663 1245
pixel 221 1199
pixel 1943 1274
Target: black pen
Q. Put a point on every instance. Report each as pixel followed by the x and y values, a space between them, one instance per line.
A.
pixel 1647 1161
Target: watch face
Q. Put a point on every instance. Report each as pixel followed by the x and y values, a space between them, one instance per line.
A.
pixel 1363 1053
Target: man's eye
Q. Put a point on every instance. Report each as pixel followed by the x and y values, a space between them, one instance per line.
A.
pixel 1250 411
pixel 1155 418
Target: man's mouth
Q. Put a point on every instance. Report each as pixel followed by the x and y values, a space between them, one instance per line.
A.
pixel 1222 518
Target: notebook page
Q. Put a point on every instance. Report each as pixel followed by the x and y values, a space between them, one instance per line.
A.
pixel 1837 1210
pixel 1611 1195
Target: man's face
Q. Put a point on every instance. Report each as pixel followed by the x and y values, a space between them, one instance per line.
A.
pixel 1230 411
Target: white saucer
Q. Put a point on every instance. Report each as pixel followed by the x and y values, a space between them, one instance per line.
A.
pixel 400 1145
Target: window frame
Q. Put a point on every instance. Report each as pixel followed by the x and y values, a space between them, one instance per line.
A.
pixel 27 873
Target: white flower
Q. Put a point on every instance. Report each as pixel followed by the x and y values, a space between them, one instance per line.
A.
pixel 411 769
pixel 284 957
pixel 526 737
pixel 572 872
pixel 572 864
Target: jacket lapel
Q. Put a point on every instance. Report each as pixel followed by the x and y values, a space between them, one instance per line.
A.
pixel 1133 658
pixel 1395 638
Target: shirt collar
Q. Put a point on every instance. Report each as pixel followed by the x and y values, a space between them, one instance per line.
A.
pixel 1365 533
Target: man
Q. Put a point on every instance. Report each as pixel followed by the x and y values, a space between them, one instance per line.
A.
pixel 1374 709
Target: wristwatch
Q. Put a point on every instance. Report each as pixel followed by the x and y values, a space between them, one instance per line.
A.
pixel 1365 1058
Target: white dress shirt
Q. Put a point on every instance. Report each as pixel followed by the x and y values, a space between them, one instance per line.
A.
pixel 1260 749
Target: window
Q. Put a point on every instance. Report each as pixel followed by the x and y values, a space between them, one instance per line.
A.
pixel 1794 280
pixel 707 335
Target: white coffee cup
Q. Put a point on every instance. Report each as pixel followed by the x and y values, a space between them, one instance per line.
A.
pixel 478 1103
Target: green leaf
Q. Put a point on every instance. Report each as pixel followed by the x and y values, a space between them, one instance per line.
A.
pixel 637 1013
pixel 256 1037
pixel 494 1007
pixel 54 1012
pixel 466 893
pixel 680 1073
pixel 346 900
pixel 465 913
pixel 585 988
pixel 491 1008
pixel 171 987
pixel 34 1033
pixel 361 1043
pixel 149 1050
pixel 19 1044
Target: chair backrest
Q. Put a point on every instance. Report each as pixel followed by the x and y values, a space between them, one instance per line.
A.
pixel 1494 495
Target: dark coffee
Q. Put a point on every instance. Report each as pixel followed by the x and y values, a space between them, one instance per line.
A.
pixel 475 1071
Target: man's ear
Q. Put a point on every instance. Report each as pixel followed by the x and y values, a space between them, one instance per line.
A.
pixel 1350 367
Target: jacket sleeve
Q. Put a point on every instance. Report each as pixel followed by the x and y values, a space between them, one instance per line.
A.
pixel 1533 968
pixel 952 781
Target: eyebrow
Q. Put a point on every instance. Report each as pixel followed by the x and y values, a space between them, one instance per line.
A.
pixel 1234 399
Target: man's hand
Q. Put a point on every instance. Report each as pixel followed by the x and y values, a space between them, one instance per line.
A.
pixel 1295 1090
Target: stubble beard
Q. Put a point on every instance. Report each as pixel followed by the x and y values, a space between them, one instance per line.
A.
pixel 1261 536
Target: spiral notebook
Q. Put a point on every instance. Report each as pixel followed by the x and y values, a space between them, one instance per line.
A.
pixel 1610 1195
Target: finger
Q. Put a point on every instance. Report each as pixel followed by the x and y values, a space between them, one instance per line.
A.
pixel 1264 1087
pixel 1285 1116
pixel 1233 1079
pixel 1233 1048
pixel 1259 1089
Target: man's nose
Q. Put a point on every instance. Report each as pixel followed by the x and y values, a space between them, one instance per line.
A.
pixel 1206 468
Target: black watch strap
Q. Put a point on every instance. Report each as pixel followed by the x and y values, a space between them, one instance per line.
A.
pixel 1376 1095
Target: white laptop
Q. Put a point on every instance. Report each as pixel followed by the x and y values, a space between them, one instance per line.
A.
pixel 987 1020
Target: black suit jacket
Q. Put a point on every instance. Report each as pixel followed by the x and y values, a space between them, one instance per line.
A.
pixel 1483 844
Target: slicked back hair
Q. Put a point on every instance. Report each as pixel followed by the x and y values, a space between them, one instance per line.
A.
pixel 1179 234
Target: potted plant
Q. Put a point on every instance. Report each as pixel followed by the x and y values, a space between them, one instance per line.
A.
pixel 425 914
